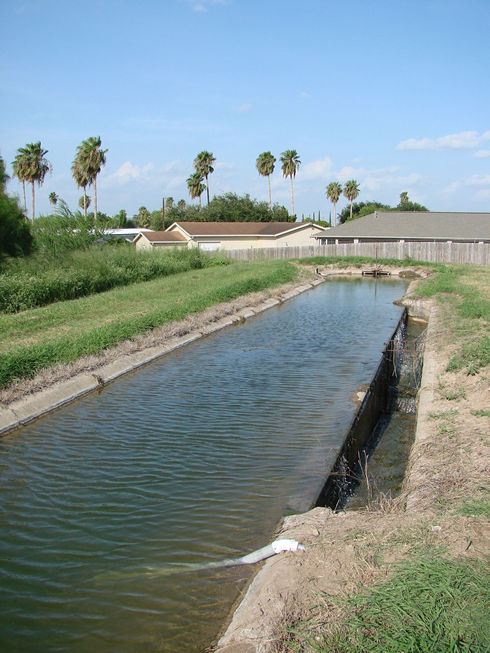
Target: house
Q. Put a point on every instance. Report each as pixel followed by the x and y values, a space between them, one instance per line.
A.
pixel 150 239
pixel 408 226
pixel 211 236
pixel 126 233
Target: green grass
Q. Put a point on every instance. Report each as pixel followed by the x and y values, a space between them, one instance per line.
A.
pixel 481 413
pixel 357 261
pixel 64 331
pixel 40 280
pixel 466 291
pixel 476 507
pixel 430 604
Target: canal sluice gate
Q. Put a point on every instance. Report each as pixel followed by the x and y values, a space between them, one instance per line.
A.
pixel 117 508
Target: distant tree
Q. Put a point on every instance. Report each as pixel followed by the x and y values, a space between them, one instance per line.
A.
pixel 34 166
pixel 156 222
pixel 195 186
pixel 181 205
pixel 20 168
pixel 81 178
pixel 15 233
pixel 203 163
pixel 169 202
pixel 265 165
pixel 120 219
pixel 351 191
pixel 405 204
pixel 3 176
pixel 90 159
pixel 84 203
pixel 334 191
pixel 53 198
pixel 360 209
pixel 143 217
pixel 290 165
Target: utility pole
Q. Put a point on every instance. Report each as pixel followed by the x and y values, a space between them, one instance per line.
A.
pixel 163 213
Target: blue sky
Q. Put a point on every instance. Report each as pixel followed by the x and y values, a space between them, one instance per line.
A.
pixel 392 93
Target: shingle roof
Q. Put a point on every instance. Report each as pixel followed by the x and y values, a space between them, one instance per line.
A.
pixel 237 228
pixel 416 225
pixel 164 237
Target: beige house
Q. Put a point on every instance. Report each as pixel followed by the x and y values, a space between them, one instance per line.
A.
pixel 210 236
pixel 150 239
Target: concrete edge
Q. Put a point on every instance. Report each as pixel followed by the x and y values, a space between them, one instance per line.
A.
pixel 31 407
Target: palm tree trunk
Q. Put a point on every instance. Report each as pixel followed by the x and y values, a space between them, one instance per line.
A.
pixel 33 195
pixel 292 195
pixel 207 188
pixel 335 214
pixel 95 200
pixel 25 201
pixel 270 196
pixel 200 203
pixel 351 209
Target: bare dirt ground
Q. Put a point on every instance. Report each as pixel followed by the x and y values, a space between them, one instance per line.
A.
pixel 448 470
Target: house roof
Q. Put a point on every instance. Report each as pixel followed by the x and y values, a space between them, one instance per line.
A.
pixel 239 228
pixel 415 225
pixel 163 237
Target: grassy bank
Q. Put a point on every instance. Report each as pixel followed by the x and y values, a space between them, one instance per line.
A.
pixel 357 261
pixel 64 331
pixel 39 280
pixel 412 574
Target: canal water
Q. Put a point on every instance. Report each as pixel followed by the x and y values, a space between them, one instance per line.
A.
pixel 113 508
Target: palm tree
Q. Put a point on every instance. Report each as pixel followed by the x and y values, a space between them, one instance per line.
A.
pixel 290 164
pixel 53 198
pixel 334 191
pixel 351 191
pixel 203 163
pixel 31 166
pixel 265 165
pixel 84 203
pixel 91 159
pixel 81 180
pixel 195 186
pixel 19 167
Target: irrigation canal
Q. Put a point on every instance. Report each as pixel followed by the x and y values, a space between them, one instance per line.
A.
pixel 113 506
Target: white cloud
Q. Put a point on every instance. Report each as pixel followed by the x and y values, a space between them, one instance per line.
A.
pixel 243 108
pixel 204 5
pixel 479 182
pixel 466 140
pixel 305 94
pixel 147 176
pixel 481 154
pixel 317 169
pixel 417 144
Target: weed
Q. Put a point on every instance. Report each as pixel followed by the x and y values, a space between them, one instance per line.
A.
pixel 444 430
pixel 476 507
pixel 481 413
pixel 445 414
pixel 452 394
pixel 431 604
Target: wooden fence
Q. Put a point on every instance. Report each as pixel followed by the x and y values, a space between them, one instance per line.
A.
pixel 433 252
